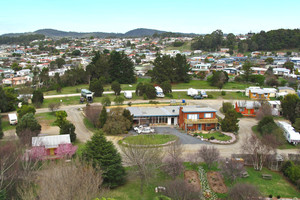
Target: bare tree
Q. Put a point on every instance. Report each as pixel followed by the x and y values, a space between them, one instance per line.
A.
pixel 232 169
pixel 264 110
pixel 65 180
pixel 93 113
pixel 53 106
pixel 209 155
pixel 145 160
pixel 244 191
pixel 257 150
pixel 9 165
pixel 173 164
pixel 180 190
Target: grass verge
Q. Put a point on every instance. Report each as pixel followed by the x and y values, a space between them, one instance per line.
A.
pixel 151 139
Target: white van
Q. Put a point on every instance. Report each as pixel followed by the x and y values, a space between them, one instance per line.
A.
pixel 13 119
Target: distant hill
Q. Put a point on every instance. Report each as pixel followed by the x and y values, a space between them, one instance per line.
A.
pixel 139 32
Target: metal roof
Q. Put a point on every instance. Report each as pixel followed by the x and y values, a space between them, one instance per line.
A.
pixel 154 111
pixel 51 141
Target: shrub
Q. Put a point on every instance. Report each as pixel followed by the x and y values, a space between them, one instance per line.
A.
pixel 195 135
pixel 278 197
pixel 270 196
pixel 153 102
pixel 212 138
pixel 223 93
pixel 210 96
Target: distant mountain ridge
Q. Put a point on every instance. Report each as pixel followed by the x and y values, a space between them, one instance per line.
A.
pixel 139 32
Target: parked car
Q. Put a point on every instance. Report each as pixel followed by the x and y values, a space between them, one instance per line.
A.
pixel 146 130
pixel 198 97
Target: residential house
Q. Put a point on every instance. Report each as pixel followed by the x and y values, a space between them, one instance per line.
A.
pixel 281 71
pixel 197 118
pixel 247 108
pixel 23 72
pixel 250 88
pixel 288 90
pixel 259 94
pixel 258 70
pixel 275 107
pixel 272 91
pixel 15 81
pixel 230 71
pixel 202 67
pixel 51 143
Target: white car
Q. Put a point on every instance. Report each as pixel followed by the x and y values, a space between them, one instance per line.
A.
pixel 146 130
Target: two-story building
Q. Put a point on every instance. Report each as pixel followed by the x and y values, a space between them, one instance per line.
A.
pixel 197 118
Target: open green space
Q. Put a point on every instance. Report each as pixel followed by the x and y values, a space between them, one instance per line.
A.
pixel 197 84
pixel 185 47
pixel 277 186
pixel 283 141
pixel 6 126
pixel 47 118
pixel 217 135
pixel 151 139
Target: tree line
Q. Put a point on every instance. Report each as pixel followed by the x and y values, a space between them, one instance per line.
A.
pixel 263 41
pixel 21 39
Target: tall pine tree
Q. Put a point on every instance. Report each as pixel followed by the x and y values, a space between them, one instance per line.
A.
pixel 102 154
pixel 103 117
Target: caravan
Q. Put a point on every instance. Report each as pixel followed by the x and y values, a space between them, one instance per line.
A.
pixel 289 132
pixel 128 94
pixel 159 92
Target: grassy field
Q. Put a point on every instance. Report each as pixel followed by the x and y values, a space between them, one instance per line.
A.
pixel 150 139
pixel 277 186
pixel 285 144
pixel 198 84
pixel 6 126
pixel 217 135
pixel 46 118
pixel 185 47
pixel 88 124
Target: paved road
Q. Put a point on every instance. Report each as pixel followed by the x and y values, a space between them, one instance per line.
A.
pixel 184 138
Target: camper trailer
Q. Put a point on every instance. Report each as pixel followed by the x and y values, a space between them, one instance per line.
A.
pixel 13 119
pixel 159 92
pixel 128 94
pixel 192 92
pixel 87 95
pixel 289 132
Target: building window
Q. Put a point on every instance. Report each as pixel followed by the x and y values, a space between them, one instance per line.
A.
pixel 208 115
pixel 208 125
pixel 242 109
pixel 192 116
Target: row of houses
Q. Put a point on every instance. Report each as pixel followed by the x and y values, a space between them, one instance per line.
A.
pixel 257 93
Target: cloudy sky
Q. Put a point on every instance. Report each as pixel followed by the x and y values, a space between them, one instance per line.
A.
pixel 188 16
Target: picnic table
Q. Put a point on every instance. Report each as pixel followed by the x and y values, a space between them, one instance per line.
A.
pixel 267 176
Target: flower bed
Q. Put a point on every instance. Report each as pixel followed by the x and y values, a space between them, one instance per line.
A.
pixel 207 192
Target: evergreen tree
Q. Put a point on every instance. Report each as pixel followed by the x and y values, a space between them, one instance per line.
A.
pixel 28 127
pixel 68 128
pixel 37 97
pixel 96 87
pixel 290 105
pixel 102 154
pixel 230 122
pixel 116 87
pixel 103 117
pixel 3 100
pixel 127 114
pixel 247 70
pixel 166 87
pixel 150 91
pixel 140 89
pixel 24 110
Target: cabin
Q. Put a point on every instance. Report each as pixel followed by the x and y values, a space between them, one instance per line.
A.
pixel 259 94
pixel 197 118
pixel 247 108
pixel 51 142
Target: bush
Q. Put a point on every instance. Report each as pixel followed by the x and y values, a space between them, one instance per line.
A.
pixel 153 102
pixel 210 96
pixel 106 101
pixel 119 100
pixel 212 138
pixel 195 135
pixel 227 106
pixel 270 196
pixel 223 93
pixel 278 197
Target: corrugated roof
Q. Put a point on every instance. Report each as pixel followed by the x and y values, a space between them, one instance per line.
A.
pixel 51 141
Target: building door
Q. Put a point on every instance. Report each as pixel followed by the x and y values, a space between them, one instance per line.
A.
pixel 172 121
pixel 199 127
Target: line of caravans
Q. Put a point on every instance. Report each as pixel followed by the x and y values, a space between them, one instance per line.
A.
pixel 289 132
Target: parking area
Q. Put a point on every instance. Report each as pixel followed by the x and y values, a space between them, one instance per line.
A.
pixel 184 138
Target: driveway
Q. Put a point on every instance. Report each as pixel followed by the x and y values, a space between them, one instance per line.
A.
pixel 184 138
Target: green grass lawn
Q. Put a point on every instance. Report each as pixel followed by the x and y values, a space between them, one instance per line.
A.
pixel 217 135
pixel 285 144
pixel 47 118
pixel 197 84
pixel 131 190
pixel 185 47
pixel 88 124
pixel 277 186
pixel 6 126
pixel 150 139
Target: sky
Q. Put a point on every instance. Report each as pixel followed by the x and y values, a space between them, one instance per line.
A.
pixel 187 16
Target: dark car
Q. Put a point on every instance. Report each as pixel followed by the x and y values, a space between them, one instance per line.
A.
pixel 198 97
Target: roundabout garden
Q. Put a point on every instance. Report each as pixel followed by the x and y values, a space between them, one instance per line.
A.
pixel 149 140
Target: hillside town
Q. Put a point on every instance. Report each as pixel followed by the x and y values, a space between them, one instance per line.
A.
pixel 206 106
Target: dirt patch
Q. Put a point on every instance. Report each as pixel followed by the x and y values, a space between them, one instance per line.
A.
pixel 192 178
pixel 216 182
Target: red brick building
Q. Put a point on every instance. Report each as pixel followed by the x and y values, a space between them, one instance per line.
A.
pixel 197 118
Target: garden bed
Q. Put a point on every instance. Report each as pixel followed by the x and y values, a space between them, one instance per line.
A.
pixel 215 137
pixel 216 182
pixel 192 178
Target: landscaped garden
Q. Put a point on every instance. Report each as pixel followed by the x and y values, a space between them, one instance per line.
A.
pixel 151 139
pixel 214 135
